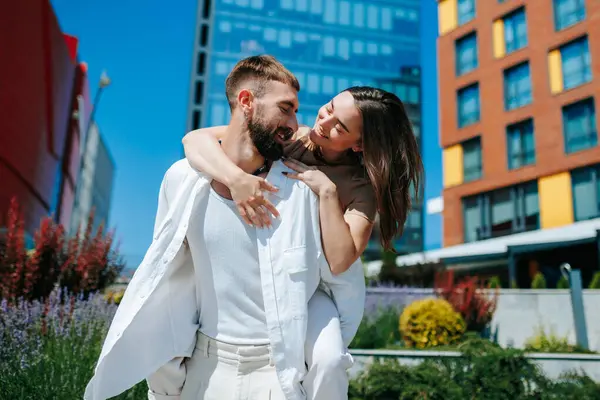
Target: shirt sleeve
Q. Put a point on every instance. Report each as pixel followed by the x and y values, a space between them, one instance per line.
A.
pixel 363 203
pixel 167 382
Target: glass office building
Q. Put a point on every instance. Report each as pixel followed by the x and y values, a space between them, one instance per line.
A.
pixel 329 45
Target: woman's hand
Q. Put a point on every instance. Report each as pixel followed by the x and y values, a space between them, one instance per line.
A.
pixel 247 193
pixel 314 179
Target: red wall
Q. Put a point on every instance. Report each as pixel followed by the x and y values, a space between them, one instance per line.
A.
pixel 36 102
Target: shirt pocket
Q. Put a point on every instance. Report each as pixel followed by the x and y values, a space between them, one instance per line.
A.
pixel 295 263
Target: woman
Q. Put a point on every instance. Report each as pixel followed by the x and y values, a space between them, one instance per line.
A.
pixel 361 158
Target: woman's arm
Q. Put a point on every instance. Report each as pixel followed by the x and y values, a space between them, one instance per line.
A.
pixel 204 153
pixel 344 235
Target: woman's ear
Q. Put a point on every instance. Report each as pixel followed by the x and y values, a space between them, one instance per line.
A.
pixel 357 148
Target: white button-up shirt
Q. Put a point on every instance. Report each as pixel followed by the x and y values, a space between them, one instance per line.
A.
pixel 157 319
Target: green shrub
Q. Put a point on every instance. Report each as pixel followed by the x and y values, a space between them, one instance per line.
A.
pixel 539 281
pixel 572 386
pixel 431 322
pixel 485 372
pixel 595 284
pixel 378 332
pixel 388 379
pixel 551 343
pixel 563 283
pixel 494 283
pixel 514 284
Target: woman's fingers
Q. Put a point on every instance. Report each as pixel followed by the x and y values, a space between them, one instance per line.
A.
pixel 298 177
pixel 295 165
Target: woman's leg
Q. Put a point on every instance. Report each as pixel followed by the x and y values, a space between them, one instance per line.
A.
pixel 327 358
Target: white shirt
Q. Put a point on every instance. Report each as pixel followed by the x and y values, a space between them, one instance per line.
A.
pixel 225 255
pixel 157 319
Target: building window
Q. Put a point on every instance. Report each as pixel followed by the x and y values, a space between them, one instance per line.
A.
pixel 386 19
pixel 520 144
pixel 579 125
pixel 468 105
pixel 466 11
pixel 517 86
pixel 576 63
pixel 358 16
pixel 313 83
pixel 586 193
pixel 372 17
pixel 568 13
pixel 217 116
pixel 344 13
pixel 472 168
pixel 466 54
pixel 515 30
pixel 195 119
pixel 501 212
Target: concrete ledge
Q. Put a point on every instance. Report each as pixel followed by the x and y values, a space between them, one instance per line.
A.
pixel 553 364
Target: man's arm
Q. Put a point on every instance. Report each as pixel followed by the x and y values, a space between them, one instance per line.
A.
pixel 167 382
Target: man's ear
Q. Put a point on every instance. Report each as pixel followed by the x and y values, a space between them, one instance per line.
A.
pixel 245 100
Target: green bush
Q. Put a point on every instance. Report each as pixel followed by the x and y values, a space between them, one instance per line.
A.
pixel 379 331
pixel 431 322
pixel 485 372
pixel 539 281
pixel 388 379
pixel 595 284
pixel 563 283
pixel 551 343
pixel 494 283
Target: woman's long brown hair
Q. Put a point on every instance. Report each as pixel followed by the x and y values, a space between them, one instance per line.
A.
pixel 390 156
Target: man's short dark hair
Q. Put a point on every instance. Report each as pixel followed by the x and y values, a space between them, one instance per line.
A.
pixel 260 70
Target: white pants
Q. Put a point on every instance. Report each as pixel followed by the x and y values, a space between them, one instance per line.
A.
pixel 222 371
pixel 326 357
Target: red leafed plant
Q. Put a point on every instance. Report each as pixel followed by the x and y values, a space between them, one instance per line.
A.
pixel 468 297
pixel 79 265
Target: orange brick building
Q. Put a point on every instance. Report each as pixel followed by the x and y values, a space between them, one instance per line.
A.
pixel 519 91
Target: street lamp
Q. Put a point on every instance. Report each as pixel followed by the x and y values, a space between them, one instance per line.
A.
pixel 104 82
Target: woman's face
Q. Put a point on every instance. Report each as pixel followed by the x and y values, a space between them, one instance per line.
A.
pixel 338 126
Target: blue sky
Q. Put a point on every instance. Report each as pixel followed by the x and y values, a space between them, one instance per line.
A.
pixel 146 48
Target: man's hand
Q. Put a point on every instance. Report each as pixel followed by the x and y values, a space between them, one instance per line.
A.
pixel 247 193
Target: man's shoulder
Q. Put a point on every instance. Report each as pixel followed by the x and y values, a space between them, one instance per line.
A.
pixel 178 170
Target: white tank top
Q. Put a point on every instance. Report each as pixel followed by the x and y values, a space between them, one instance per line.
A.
pixel 225 255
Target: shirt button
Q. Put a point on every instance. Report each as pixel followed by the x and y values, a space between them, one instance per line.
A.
pixel 165 260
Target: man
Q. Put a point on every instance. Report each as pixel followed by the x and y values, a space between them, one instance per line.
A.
pixel 224 316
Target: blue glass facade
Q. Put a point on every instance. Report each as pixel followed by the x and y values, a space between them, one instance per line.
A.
pixel 329 45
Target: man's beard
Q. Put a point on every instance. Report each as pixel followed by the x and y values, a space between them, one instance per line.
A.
pixel 263 138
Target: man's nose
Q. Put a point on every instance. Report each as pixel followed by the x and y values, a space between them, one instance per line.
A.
pixel 292 122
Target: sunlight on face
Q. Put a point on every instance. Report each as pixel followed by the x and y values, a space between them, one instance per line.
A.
pixel 339 125
pixel 278 106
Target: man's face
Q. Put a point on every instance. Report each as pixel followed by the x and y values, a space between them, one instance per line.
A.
pixel 273 121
